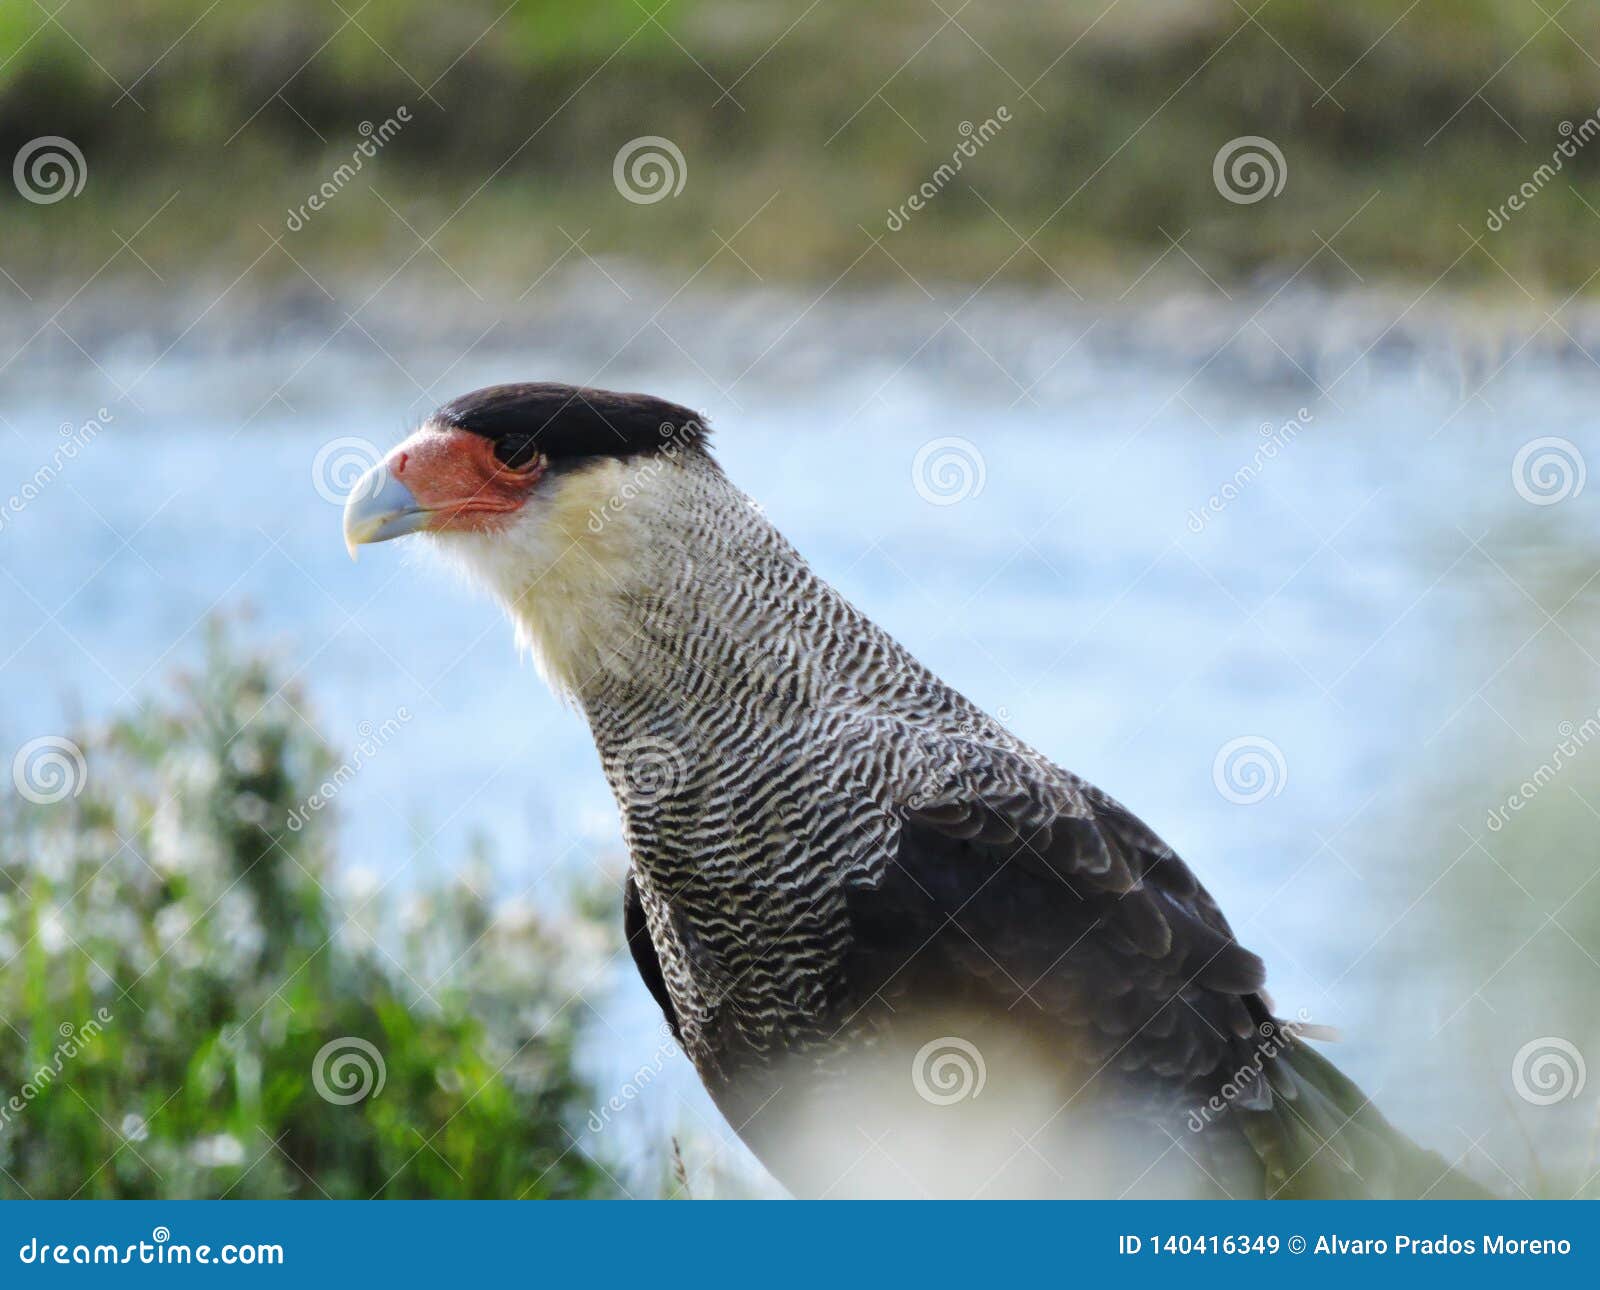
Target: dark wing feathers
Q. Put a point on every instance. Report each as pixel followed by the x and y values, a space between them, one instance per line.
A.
pixel 1096 921
pixel 1108 947
pixel 644 952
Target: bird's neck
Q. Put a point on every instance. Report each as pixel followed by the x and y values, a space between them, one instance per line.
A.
pixel 644 580
pixel 667 607
pixel 715 610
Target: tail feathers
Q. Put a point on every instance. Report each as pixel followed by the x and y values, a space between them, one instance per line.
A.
pixel 1322 1138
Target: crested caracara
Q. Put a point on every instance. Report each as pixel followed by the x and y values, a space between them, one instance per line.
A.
pixel 906 952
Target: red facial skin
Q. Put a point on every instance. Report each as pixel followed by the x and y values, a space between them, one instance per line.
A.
pixel 456 476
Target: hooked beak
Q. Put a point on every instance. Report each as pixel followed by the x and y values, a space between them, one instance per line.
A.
pixel 379 508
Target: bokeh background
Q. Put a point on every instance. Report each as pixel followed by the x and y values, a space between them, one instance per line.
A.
pixel 1204 387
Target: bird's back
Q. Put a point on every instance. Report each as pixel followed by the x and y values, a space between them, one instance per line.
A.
pixel 844 868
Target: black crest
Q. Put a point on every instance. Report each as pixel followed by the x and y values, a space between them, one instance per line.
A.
pixel 570 422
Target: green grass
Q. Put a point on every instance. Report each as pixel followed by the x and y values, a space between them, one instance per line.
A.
pixel 1421 118
pixel 177 961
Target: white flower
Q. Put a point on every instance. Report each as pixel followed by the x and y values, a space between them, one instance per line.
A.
pixel 361 883
pixel 52 932
pixel 517 916
pixel 219 1151
pixel 245 757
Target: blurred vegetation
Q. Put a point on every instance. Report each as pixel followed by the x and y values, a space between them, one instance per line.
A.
pixel 1481 995
pixel 176 965
pixel 821 117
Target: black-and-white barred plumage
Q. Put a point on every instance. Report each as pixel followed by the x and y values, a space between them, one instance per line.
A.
pixel 840 863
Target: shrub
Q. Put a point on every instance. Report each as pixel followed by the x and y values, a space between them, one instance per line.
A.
pixel 188 1010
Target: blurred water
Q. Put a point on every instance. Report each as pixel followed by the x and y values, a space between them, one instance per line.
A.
pixel 1332 608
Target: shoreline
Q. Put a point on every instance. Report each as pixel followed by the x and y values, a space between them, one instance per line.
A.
pixel 1286 334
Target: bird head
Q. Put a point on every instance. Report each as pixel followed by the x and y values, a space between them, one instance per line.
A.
pixel 530 489
pixel 506 457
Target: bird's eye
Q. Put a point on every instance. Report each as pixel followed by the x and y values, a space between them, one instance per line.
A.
pixel 519 452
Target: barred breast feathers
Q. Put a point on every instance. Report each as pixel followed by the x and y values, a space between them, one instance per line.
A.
pixel 656 596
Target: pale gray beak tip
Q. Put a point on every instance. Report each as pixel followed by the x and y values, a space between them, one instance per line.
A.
pixel 379 508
